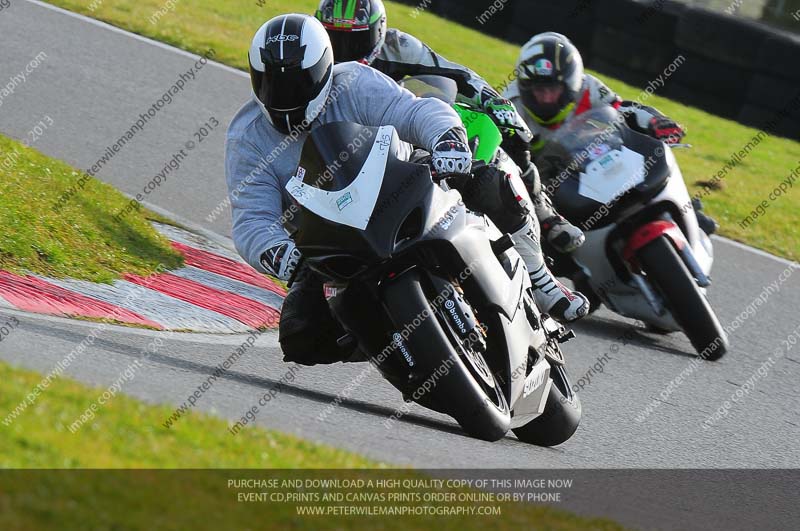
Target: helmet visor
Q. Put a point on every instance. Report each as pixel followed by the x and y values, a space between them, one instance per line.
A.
pixel 353 44
pixel 543 92
pixel 548 93
pixel 289 88
pixel 544 99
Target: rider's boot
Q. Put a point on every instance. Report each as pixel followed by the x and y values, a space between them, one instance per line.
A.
pixel 557 231
pixel 551 296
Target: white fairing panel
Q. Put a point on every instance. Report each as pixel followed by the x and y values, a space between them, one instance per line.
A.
pixel 610 176
pixel 352 206
pixel 677 193
pixel 626 298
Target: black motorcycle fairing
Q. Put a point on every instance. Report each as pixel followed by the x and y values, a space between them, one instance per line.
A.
pixel 357 306
pixel 415 225
pixel 411 214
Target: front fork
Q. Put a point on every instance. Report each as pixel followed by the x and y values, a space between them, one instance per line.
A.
pixel 669 229
pixel 648 233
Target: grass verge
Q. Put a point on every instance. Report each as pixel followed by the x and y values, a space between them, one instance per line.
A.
pixel 127 433
pixel 82 240
pixel 198 25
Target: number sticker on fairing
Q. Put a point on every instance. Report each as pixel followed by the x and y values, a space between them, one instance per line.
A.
pixel 608 177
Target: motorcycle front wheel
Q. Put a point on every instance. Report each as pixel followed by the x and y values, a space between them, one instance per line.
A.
pixel 667 273
pixel 453 379
pixel 561 416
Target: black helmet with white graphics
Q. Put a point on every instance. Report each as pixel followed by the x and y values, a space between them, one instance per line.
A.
pixel 291 68
pixel 550 77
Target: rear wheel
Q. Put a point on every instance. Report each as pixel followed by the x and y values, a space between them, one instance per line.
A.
pixel 668 274
pixel 454 378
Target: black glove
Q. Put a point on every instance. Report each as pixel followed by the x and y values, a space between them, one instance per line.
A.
pixel 518 149
pixel 651 122
pixel 281 260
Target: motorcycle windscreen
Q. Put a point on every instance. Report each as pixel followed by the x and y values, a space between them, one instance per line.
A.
pixel 430 86
pixel 584 139
pixel 598 167
pixel 355 193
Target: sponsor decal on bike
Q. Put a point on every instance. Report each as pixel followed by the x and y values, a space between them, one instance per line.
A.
pixel 450 306
pixel 535 379
pixel 447 220
pixel 330 291
pixel 606 161
pixel 344 201
pixel 598 151
pixel 397 339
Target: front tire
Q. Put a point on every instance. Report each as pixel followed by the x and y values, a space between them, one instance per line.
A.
pixel 668 274
pixel 561 416
pixel 457 392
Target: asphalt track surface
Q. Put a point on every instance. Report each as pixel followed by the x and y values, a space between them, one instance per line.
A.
pixel 95 82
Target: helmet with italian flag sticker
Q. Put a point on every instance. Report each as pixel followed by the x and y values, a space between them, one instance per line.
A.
pixel 550 77
pixel 357 28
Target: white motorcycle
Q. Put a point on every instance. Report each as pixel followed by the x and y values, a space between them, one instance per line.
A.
pixel 645 256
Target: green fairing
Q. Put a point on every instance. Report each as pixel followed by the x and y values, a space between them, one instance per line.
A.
pixel 481 126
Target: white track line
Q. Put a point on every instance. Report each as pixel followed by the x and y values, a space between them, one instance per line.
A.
pixel 264 339
pixel 173 49
pixel 753 250
pixel 115 29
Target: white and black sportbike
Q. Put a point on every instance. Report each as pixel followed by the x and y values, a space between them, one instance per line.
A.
pixel 645 256
pixel 432 294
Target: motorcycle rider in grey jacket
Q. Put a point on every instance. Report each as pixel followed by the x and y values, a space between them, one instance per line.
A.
pixel 296 88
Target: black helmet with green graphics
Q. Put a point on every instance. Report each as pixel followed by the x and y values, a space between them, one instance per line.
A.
pixel 357 28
